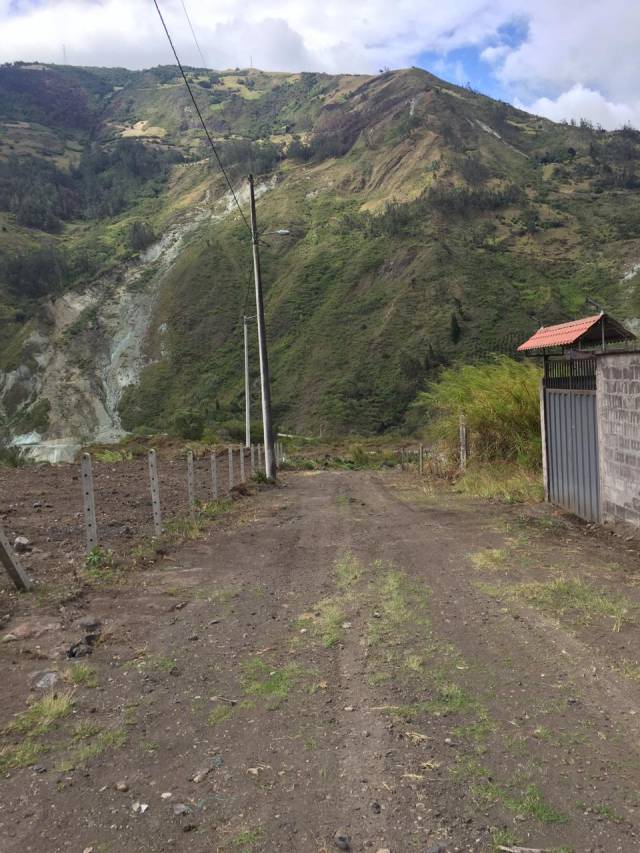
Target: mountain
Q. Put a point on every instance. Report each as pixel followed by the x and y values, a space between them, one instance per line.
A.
pixel 428 223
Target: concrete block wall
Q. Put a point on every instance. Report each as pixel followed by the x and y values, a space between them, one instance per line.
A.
pixel 618 395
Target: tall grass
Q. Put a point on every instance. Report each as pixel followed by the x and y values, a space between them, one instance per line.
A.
pixel 500 401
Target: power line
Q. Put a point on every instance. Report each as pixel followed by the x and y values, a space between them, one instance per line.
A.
pixel 186 14
pixel 202 121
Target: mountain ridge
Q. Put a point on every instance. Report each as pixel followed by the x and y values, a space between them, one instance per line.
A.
pixel 428 223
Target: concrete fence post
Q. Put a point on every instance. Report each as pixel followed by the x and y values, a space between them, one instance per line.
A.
pixel 155 493
pixel 543 435
pixel 12 565
pixel 190 487
pixel 215 486
pixel 90 525
pixel 253 459
pixel 463 443
pixel 259 457
pixel 231 483
pixel 241 454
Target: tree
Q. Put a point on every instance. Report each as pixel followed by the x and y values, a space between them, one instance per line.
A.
pixel 140 235
pixel 456 331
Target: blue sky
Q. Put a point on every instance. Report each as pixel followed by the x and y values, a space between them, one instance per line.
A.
pixel 465 65
pixel 559 58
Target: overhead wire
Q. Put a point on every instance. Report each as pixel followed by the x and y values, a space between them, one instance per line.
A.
pixel 193 33
pixel 200 116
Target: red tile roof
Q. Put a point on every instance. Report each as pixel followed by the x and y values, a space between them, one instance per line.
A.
pixel 560 335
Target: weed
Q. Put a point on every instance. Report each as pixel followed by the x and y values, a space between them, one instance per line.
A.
pixel 502 482
pixel 22 755
pixel 603 810
pixel 220 714
pixel 343 500
pixel 491 559
pixel 500 400
pixel 42 715
pixel 214 509
pixel 502 838
pixel 260 478
pixel 567 595
pixel 348 570
pixel 258 679
pixel 630 669
pixel 328 625
pixel 85 730
pixel 530 803
pixel 96 745
pixel 248 838
pixel 101 564
pixel 82 675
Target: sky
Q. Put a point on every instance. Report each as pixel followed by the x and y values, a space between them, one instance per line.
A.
pixel 564 59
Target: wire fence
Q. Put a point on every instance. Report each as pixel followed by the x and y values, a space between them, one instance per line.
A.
pixel 53 515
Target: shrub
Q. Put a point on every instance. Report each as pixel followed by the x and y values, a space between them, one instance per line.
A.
pixel 189 424
pixel 500 400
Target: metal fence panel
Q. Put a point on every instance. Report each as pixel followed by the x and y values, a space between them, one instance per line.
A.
pixel 572 451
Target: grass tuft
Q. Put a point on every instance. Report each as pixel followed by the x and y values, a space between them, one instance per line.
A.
pixel 42 715
pixel 568 595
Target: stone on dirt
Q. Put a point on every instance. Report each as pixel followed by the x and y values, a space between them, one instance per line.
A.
pixel 21 544
pixel 201 775
pixel 46 680
pixel 180 809
pixel 121 786
pixel 342 840
pixel 91 624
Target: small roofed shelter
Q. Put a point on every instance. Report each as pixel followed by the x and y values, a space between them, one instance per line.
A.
pixel 596 331
pixel 590 417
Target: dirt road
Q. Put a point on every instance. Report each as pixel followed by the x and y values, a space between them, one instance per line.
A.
pixel 348 653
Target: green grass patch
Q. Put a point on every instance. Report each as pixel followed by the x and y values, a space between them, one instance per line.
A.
pixel 506 483
pixel 247 839
pixel 573 596
pixel 274 685
pixel 490 559
pixel 42 715
pixel 82 675
pixel 529 803
pixel 220 714
pixel 21 755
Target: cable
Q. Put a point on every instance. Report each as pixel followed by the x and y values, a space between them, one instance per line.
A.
pixel 186 14
pixel 202 122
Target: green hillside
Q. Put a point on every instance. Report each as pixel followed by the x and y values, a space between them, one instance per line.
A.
pixel 428 224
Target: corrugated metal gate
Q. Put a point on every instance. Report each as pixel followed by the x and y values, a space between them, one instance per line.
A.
pixel 572 437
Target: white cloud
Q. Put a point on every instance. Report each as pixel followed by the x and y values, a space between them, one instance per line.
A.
pixel 581 102
pixel 494 55
pixel 577 54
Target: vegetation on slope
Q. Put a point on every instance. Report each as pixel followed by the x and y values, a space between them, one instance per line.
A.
pixel 429 225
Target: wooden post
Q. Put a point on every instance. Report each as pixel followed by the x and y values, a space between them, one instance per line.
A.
pixel 241 453
pixel 155 493
pixel 231 483
pixel 463 443
pixel 91 528
pixel 421 461
pixel 12 565
pixel 215 487
pixel 190 489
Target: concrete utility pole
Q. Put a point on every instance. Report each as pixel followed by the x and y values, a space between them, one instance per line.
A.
pixel 265 382
pixel 247 389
